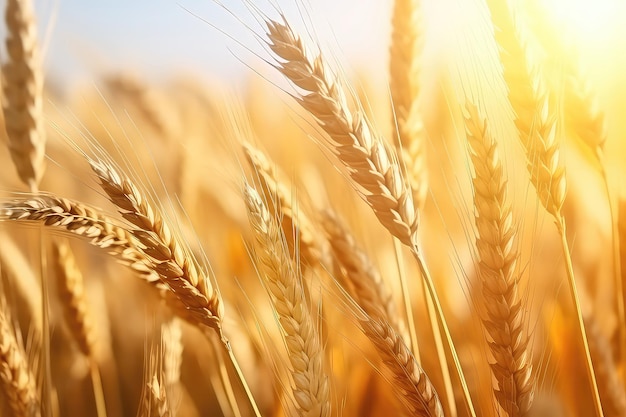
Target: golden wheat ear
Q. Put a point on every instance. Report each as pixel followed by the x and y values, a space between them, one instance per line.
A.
pixel 23 91
pixel 405 52
pixel 297 227
pixel 498 271
pixel 536 121
pixel 19 385
pixel 311 390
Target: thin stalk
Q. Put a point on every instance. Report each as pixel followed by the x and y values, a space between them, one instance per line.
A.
pixel 617 275
pixel 579 315
pixel 432 317
pixel 46 387
pixel 98 392
pixel 406 298
pixel 246 388
pixel 228 387
pixel 430 285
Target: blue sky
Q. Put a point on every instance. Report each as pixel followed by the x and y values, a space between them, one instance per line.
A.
pixel 159 37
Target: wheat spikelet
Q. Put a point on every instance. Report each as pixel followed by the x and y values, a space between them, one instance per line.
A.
pixel 497 270
pixel 176 266
pixel 294 222
pixel 413 388
pixel 310 383
pixel 371 163
pixel 18 383
pixel 611 388
pixel 71 291
pixel 404 71
pixel 23 87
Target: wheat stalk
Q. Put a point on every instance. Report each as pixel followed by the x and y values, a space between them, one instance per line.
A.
pixel 497 270
pixel 23 88
pixel 306 356
pixel 18 383
pixel 404 70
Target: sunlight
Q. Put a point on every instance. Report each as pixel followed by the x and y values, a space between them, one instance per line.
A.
pixel 590 22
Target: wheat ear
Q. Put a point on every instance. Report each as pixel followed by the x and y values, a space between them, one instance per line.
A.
pixel 295 224
pixel 175 265
pixel 306 355
pixel 71 291
pixel 536 123
pixel 81 220
pixel 155 402
pixel 23 91
pixel 407 45
pixel 362 279
pixel 414 389
pixel 585 120
pixel 18 382
pixel 611 388
pixel 372 165
pixel 498 272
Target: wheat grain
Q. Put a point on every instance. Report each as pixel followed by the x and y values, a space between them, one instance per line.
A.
pixel 497 270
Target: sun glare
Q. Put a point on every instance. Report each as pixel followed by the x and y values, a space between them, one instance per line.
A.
pixel 589 22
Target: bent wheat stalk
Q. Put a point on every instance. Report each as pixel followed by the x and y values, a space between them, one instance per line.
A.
pixel 306 355
pixel 498 273
pixel 372 165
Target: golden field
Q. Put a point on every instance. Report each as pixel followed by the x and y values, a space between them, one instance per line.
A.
pixel 446 240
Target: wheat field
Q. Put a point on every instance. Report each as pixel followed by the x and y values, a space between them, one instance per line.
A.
pixel 449 240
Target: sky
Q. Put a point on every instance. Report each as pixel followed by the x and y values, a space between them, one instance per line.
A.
pixel 156 38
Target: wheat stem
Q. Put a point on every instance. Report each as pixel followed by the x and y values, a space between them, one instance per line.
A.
pixel 430 286
pixel 579 317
